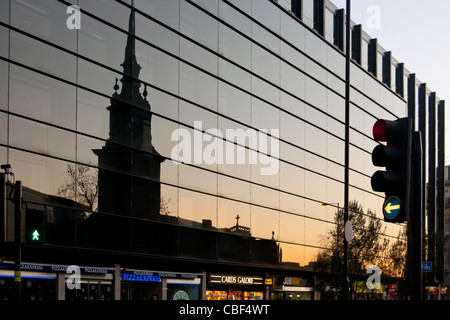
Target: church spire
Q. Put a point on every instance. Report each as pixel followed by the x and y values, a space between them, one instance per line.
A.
pixel 130 64
pixel 131 68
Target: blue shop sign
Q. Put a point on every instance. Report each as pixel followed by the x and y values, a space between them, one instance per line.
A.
pixel 137 277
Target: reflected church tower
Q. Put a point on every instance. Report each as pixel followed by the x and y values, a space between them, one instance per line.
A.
pixel 129 165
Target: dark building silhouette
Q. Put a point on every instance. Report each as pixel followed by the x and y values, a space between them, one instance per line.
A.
pixel 129 165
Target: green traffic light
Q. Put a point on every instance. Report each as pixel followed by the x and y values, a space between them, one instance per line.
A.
pixel 35 235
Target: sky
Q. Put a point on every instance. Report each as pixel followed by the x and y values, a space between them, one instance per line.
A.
pixel 417 32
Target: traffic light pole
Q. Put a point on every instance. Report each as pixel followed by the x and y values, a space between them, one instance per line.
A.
pixel 415 219
pixel 345 280
pixel 18 239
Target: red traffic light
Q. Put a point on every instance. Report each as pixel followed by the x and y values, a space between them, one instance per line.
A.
pixel 390 131
pixel 379 130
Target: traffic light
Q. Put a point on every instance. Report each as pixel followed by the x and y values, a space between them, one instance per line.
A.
pixel 395 157
pixel 34 226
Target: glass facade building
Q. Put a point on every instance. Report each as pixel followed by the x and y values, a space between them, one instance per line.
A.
pixel 191 130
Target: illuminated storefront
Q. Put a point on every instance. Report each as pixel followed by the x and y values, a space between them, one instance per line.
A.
pixel 49 282
pixel 291 288
pixel 235 287
pixel 157 285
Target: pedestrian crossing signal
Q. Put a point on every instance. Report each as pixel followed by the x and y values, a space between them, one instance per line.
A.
pixel 34 226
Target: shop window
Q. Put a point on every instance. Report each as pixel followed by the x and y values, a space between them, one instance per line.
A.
pixel 177 291
pixel 216 295
pixel 32 288
pixel 91 291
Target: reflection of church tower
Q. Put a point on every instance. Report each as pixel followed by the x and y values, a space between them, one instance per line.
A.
pixel 129 165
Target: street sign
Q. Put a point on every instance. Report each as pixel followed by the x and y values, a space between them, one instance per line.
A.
pixel 391 207
pixel 427 266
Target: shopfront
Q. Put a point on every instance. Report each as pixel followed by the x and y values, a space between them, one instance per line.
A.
pixel 291 288
pixel 158 285
pixel 95 284
pixel 235 287
pixel 49 282
pixel 35 285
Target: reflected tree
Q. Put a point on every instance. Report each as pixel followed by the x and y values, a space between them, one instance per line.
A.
pixel 369 246
pixel 81 185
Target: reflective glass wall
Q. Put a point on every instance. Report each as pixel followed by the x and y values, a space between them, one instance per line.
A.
pixel 208 129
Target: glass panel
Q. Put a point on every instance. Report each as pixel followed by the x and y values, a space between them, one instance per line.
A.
pixel 167 11
pixel 265 39
pixel 195 207
pixel 169 201
pixel 4 11
pixel 110 11
pixel 292 80
pixel 42 98
pixel 198 87
pixel 42 57
pixel 40 138
pixel 199 26
pixel 212 5
pixel 234 47
pixel 233 74
pixel 308 12
pixel 234 18
pixel 237 157
pixel 292 228
pixel 379 66
pixel 314 232
pixel 197 179
pixel 315 185
pixel 267 14
pixel 265 65
pixel 156 34
pixel 158 68
pixel 4 40
pixel 4 85
pixel 364 54
pixel 292 155
pixel 264 116
pixel 92 114
pixel 245 5
pixel 195 54
pixel 42 174
pixel 233 188
pixel 96 78
pixel 292 130
pixel 265 197
pixel 3 129
pixel 293 31
pixel 232 214
pixel 329 25
pixel 318 143
pixel 44 19
pixel 295 254
pixel 316 94
pixel 264 223
pixel 235 104
pixel 102 43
